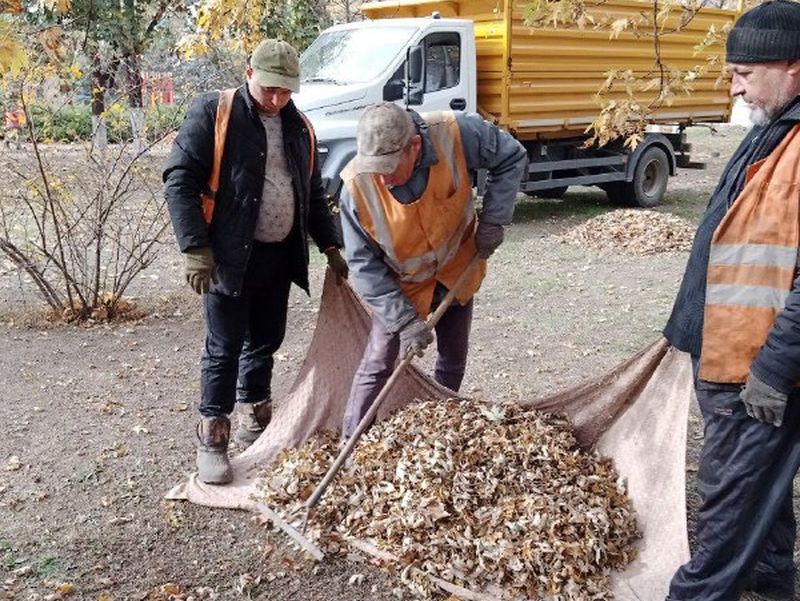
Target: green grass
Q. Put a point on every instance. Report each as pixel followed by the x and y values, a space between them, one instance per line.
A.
pixel 87 478
pixel 578 203
pixel 9 554
pixel 49 566
pixel 684 203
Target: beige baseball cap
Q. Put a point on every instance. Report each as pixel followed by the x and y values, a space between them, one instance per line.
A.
pixel 275 65
pixel 383 132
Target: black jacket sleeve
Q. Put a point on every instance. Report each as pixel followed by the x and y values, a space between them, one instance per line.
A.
pixel 187 170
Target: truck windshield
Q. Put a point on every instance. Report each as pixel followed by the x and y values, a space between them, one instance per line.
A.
pixel 352 55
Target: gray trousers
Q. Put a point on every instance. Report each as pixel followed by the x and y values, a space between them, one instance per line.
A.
pixel 380 356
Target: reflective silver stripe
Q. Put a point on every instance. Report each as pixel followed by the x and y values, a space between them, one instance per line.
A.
pixel 754 254
pixel 748 296
pixel 413 269
pixel 371 197
pixel 453 245
pixel 445 142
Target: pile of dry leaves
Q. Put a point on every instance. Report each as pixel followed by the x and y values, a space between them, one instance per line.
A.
pixel 490 498
pixel 634 231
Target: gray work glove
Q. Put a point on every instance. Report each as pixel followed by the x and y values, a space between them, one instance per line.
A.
pixel 199 268
pixel 415 337
pixel 337 264
pixel 488 237
pixel 763 402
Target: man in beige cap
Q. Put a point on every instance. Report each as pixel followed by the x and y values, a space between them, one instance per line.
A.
pixel 410 230
pixel 244 253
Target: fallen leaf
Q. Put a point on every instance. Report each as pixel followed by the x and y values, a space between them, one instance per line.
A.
pixel 65 588
pixel 356 579
pixel 120 520
pixel 170 588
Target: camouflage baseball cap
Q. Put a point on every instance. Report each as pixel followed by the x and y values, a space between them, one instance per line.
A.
pixel 383 132
pixel 275 65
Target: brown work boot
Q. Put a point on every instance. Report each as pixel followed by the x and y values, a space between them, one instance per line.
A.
pixel 253 418
pixel 213 466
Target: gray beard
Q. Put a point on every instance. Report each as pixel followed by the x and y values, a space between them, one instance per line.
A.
pixel 759 116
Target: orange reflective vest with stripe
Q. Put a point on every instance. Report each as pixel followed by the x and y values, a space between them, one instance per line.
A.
pixel 433 238
pixel 752 265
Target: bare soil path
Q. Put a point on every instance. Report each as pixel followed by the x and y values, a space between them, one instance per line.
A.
pixel 98 421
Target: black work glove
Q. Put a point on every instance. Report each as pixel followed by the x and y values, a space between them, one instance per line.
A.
pixel 199 268
pixel 337 264
pixel 415 337
pixel 763 402
pixel 488 237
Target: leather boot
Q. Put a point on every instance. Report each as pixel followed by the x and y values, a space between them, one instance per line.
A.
pixel 213 466
pixel 253 418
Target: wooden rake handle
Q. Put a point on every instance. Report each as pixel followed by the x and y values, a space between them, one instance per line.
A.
pixel 387 388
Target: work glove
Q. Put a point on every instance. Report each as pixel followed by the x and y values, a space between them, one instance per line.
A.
pixel 199 268
pixel 488 237
pixel 337 264
pixel 415 337
pixel 763 402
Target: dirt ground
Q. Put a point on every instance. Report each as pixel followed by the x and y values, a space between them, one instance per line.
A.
pixel 98 421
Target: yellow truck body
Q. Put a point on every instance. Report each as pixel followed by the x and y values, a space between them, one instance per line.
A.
pixel 542 82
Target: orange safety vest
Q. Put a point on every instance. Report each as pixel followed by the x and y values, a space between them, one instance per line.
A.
pixel 752 265
pixel 432 239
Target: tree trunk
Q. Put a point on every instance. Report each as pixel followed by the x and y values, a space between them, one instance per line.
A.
pixel 99 80
pixel 134 85
pixel 99 133
pixel 138 130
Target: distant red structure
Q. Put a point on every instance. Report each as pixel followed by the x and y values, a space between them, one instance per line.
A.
pixel 159 87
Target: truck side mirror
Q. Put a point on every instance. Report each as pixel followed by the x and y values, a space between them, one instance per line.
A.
pixel 415 82
pixel 394 90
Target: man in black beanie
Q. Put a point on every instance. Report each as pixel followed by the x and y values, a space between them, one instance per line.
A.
pixel 738 315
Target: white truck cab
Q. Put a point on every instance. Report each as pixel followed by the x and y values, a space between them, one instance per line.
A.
pixel 348 67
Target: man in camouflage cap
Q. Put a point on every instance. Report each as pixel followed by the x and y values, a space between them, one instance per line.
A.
pixel 410 230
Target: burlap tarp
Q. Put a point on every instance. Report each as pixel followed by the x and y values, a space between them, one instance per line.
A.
pixel 636 414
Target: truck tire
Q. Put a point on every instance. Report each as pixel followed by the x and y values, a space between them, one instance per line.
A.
pixel 649 183
pixel 549 192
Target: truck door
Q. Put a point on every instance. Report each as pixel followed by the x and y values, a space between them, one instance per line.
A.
pixel 445 75
pixel 445 88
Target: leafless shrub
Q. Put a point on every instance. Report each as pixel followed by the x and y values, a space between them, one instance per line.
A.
pixel 82 223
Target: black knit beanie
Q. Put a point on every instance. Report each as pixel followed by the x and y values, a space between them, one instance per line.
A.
pixel 769 32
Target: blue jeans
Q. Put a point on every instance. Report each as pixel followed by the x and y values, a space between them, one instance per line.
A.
pixel 243 332
pixel 380 356
pixel 745 526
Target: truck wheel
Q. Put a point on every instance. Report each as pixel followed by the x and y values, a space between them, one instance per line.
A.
pixel 649 178
pixel 649 181
pixel 549 192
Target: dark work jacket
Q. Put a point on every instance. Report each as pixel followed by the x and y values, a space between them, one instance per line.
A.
pixel 778 362
pixel 238 200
